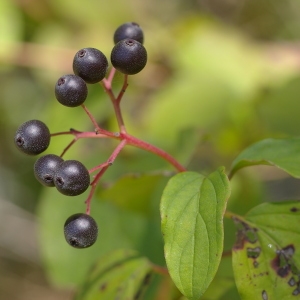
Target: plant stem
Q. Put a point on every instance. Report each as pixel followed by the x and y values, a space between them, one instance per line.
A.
pixel 112 158
pixel 77 135
pixel 123 136
pixel 160 270
pixel 103 167
pixel 227 253
pixel 107 85
pixel 93 187
pixel 97 128
pixel 228 214
pixel 129 139
pixel 68 147
pixel 133 141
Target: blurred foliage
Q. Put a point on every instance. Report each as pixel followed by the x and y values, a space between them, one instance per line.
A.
pixel 221 75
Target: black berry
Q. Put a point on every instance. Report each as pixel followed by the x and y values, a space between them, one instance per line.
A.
pixel 81 230
pixel 129 30
pixel 71 178
pixel 45 167
pixel 90 64
pixel 71 90
pixel 129 56
pixel 32 137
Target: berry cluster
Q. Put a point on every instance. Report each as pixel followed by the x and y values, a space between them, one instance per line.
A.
pixel 71 177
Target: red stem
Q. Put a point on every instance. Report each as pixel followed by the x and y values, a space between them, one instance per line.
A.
pixel 97 128
pixel 123 136
pixel 116 101
pixel 112 158
pixel 160 270
pixel 123 89
pixel 133 141
pixel 103 167
pixel 93 187
pixel 68 147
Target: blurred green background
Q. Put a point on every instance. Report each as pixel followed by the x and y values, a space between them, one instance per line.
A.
pixel 221 75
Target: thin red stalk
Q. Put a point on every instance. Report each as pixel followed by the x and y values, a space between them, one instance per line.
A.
pixel 160 270
pixel 106 84
pixel 61 133
pixel 99 167
pixel 117 107
pixel 133 141
pixel 110 77
pixel 103 167
pixel 94 185
pixel 99 174
pixel 80 134
pixel 112 157
pixel 116 101
pixel 227 253
pixel 230 215
pixel 98 129
pixel 69 146
pixel 123 89
pixel 90 134
pixel 119 117
pixel 116 152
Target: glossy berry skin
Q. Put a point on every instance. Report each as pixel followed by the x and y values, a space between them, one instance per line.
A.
pixel 71 178
pixel 81 230
pixel 45 167
pixel 71 90
pixel 32 137
pixel 90 64
pixel 129 30
pixel 129 56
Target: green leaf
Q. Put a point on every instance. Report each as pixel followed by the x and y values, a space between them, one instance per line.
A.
pixel 223 283
pixel 266 257
pixel 121 274
pixel 282 153
pixel 192 209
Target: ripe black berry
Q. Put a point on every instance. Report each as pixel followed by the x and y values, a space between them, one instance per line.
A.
pixel 129 56
pixel 71 178
pixel 81 230
pixel 71 90
pixel 129 30
pixel 45 167
pixel 32 137
pixel 90 64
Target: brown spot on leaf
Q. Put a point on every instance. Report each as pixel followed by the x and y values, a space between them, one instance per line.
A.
pixel 292 281
pixel 283 262
pixel 253 252
pixel 260 274
pixel 244 234
pixel 255 264
pixel 103 286
pixel 296 292
pixel 289 251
